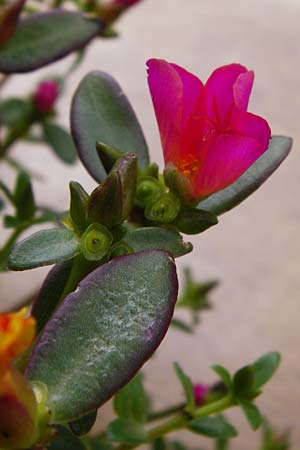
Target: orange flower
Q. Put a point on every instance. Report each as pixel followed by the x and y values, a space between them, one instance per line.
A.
pixel 16 334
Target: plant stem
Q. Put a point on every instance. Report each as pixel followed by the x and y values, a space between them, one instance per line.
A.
pixel 182 420
pixel 165 412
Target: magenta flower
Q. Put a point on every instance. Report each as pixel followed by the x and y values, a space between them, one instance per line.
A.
pixel 200 391
pixel 205 129
pixel 45 95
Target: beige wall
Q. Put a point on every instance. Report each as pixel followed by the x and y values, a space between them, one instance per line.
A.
pixel 255 250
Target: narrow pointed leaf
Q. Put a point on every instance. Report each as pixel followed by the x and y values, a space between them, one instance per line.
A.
pixel 108 328
pixel 252 414
pixel 44 248
pixel 101 112
pixel 155 238
pixel 131 402
pixel 44 38
pixel 252 179
pixel 187 387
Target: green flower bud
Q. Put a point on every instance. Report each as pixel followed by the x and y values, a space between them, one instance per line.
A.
pixel 148 190
pixel 163 210
pixel 120 249
pixel 96 242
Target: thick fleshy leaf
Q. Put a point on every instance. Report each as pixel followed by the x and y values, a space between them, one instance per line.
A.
pixel 61 142
pixel 108 328
pixel 50 293
pixel 44 248
pixel 44 38
pixel 101 112
pixel 155 238
pixel 251 180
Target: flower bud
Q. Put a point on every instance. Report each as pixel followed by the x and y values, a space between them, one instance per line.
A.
pixel 163 210
pixel 45 96
pixel 96 242
pixel 148 190
pixel 200 391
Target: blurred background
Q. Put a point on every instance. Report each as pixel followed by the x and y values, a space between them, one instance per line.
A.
pixel 255 249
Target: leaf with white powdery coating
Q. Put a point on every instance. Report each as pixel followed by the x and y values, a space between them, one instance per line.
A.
pixel 101 112
pixel 107 333
pixel 252 179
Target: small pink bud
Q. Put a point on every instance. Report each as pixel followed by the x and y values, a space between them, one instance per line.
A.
pixel 45 95
pixel 200 391
pixel 126 3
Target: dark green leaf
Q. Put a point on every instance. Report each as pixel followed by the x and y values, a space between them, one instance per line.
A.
pixel 252 179
pixel 156 238
pixel 2 204
pixel 182 326
pixel 252 414
pixel 101 112
pixel 23 197
pixel 131 402
pixel 78 207
pixel 108 328
pixel 15 111
pixel 126 431
pixel 194 221
pixel 215 427
pixel 108 155
pixel 223 374
pixel 195 293
pixel 126 167
pixel 44 248
pixel 243 383
pixel 264 368
pixel 221 444
pixel 187 387
pixel 97 443
pixel 61 142
pixel 50 293
pixel 84 424
pixel 159 444
pixel 65 440
pixel 44 38
pixel 105 204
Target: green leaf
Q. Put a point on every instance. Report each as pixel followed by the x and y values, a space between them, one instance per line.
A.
pixel 108 328
pixel 61 142
pixel 105 204
pixel 101 112
pixel 84 424
pixel 156 238
pixel 15 111
pixel 215 427
pixel 159 444
pixel 252 179
pixel 44 248
pixel 41 39
pixel 187 387
pixel 131 402
pixel 65 440
pixel 264 368
pixel 78 207
pixel 252 414
pixel 23 197
pixel 126 431
pixel 182 326
pixel 194 221
pixel 50 293
pixel 97 443
pixel 223 374
pixel 126 167
pixel 243 383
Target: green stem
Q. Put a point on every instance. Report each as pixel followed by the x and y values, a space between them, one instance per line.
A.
pixel 182 420
pixel 152 417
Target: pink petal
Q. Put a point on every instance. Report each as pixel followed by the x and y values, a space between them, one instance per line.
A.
pixel 174 93
pixel 227 158
pixel 219 91
pixel 246 124
pixel 242 89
